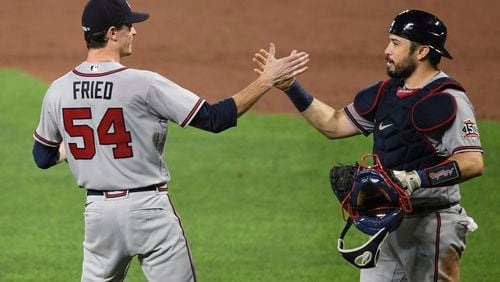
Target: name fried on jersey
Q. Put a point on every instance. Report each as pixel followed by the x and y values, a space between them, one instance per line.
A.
pixel 92 90
pixel 109 115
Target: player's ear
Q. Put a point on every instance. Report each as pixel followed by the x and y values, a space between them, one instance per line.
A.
pixel 111 34
pixel 422 52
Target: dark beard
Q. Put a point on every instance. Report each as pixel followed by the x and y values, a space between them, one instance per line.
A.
pixel 402 70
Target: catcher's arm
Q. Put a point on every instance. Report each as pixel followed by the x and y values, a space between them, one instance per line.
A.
pixel 457 168
pixel 330 122
pixel 471 164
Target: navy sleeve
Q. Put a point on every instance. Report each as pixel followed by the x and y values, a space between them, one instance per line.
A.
pixel 45 156
pixel 217 117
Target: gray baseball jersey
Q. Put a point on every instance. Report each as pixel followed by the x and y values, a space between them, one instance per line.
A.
pixel 462 136
pixel 427 245
pixel 93 109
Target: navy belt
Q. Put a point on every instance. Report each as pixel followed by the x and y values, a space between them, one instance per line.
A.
pixel 425 209
pixel 121 193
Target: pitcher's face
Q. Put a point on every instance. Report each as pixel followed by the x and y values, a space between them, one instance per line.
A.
pixel 125 36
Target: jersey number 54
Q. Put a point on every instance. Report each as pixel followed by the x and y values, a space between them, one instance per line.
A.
pixel 112 119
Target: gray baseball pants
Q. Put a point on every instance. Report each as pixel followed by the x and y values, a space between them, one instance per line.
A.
pixel 425 247
pixel 142 224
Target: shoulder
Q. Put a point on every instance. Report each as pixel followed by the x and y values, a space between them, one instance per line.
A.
pixel 150 76
pixel 141 74
pixel 148 81
pixel 66 78
pixel 445 84
pixel 454 90
pixel 438 109
pixel 367 100
pixel 458 94
pixel 56 87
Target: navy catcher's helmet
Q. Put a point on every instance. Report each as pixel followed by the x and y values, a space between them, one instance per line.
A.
pixel 423 28
pixel 376 206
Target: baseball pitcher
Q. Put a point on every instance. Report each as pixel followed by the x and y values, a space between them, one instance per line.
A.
pixel 110 123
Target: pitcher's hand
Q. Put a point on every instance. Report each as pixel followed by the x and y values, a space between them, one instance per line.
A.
pixel 281 72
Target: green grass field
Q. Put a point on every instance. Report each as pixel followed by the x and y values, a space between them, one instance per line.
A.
pixel 255 201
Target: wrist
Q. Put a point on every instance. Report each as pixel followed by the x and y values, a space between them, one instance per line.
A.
pixel 265 82
pixel 423 176
pixel 444 174
pixel 285 85
pixel 410 180
pixel 414 180
pixel 61 154
pixel 299 96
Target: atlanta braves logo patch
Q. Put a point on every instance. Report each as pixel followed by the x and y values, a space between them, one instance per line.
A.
pixel 469 130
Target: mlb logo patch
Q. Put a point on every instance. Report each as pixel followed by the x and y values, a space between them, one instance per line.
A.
pixel 94 68
pixel 469 130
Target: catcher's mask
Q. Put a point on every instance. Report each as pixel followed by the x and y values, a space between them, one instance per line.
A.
pixel 376 206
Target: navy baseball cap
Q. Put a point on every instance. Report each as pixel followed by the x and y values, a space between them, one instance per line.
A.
pixel 99 15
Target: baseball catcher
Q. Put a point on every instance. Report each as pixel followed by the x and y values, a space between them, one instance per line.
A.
pixel 424 129
pixel 375 202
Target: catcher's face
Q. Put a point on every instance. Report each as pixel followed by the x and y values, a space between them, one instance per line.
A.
pixel 400 61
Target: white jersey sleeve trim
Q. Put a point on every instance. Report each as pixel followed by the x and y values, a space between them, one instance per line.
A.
pixel 192 113
pixel 44 141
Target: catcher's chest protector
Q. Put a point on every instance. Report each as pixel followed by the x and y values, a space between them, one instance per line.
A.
pixel 396 140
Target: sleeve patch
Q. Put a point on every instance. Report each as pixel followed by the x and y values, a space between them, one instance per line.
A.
pixel 469 130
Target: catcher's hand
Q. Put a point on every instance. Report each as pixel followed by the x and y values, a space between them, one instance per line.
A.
pixel 281 70
pixel 408 180
pixel 342 178
pixel 261 58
